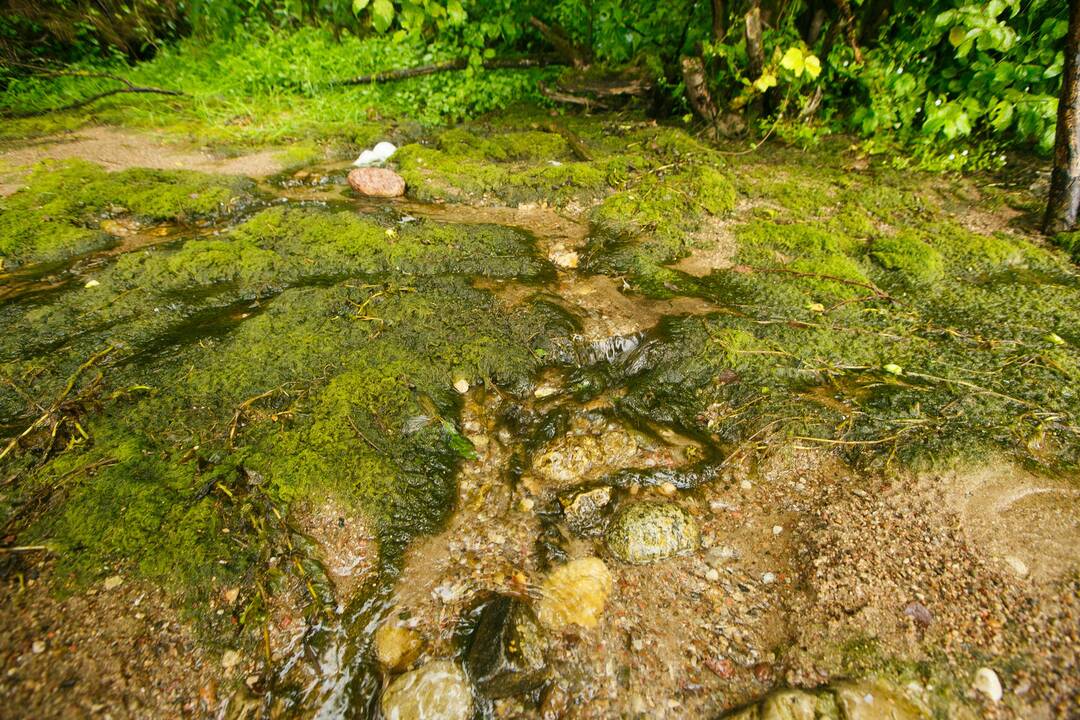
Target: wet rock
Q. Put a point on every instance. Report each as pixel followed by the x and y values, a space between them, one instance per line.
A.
pixel 649 531
pixel 867 700
pixel 919 613
pixel 575 594
pixel 565 258
pixel 396 647
pixel 437 691
pixel 792 705
pixel 576 456
pixel 583 508
pixel 717 557
pixel 988 684
pixel 376 182
pixel 506 654
pixel 844 700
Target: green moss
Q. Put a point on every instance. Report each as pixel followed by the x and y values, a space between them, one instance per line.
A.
pixel 57 214
pixel 1070 243
pixel 637 230
pixel 909 258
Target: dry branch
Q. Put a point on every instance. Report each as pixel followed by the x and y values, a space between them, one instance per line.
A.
pixel 129 88
pixel 528 61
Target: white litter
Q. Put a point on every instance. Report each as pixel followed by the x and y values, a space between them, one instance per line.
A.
pixel 375 156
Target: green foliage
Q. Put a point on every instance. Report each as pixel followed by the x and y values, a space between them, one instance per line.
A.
pixel 958 69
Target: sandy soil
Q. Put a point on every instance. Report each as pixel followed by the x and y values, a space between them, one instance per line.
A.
pixel 119 149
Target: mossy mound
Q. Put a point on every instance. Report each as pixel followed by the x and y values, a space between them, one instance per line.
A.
pixel 305 352
pixel 58 213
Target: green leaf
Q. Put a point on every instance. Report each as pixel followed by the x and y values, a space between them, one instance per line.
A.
pixel 382 15
pixel 766 81
pixel 793 60
pixel 359 5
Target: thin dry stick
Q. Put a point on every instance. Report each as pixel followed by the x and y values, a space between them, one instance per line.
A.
pixel 129 88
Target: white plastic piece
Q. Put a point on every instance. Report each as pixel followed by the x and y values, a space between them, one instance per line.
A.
pixel 378 154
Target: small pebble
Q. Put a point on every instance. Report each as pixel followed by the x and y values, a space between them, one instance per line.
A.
pixel 38 647
pixel 461 385
pixel 91 284
pixel 545 391
pixel 230 659
pixel 668 489
pixel 526 504
pixel 114 581
pixel 768 578
pixel 986 682
pixel 777 529
pixel 1018 566
pixel 712 575
pixel 745 485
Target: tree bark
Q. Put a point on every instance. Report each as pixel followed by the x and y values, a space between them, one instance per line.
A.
pixel 1064 202
pixel 848 18
pixel 719 20
pixel 754 51
pixel 697 91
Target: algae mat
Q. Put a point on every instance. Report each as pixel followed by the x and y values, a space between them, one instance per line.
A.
pixel 259 419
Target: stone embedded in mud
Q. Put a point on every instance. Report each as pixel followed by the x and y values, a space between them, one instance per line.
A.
pixel 506 655
pixel 791 705
pixel 376 182
pixel 866 700
pixel 844 700
pixel 396 647
pixel 575 594
pixel 437 691
pixel 573 457
pixel 583 508
pixel 986 682
pixel 645 532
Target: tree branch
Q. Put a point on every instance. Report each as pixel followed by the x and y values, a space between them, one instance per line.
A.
pixel 529 61
pixel 129 88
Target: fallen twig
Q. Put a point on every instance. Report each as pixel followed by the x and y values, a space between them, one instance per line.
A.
pixel 129 88
pixel 520 63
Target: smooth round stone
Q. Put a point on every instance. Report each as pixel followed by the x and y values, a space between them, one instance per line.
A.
pixel 437 691
pixel 575 594
pixel 376 182
pixel 987 682
pixel 396 647
pixel 646 532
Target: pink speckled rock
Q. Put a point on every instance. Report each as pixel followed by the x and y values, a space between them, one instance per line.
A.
pixel 377 182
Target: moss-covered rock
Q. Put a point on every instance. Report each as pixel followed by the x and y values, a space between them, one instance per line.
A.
pixel 58 213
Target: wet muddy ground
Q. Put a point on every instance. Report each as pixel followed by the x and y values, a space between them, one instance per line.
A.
pixel 803 567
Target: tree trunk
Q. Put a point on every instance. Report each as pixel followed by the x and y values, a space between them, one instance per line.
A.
pixel 1064 203
pixel 755 53
pixel 718 21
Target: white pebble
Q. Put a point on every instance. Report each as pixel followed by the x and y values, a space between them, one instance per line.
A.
pixel 461 385
pixel 777 529
pixel 768 578
pixel 986 681
pixel 1018 566
pixel 745 485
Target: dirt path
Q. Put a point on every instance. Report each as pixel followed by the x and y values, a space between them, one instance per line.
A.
pixel 119 149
